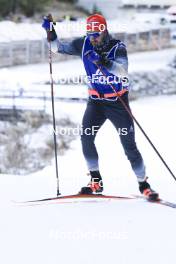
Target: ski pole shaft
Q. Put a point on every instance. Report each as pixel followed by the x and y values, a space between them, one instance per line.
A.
pixel 140 127
pixel 53 115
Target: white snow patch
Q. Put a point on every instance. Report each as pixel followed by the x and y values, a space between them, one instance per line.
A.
pixel 123 231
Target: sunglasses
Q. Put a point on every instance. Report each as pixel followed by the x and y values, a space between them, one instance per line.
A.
pixel 93 34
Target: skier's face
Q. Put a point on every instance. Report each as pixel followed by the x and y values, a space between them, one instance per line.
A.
pixel 96 38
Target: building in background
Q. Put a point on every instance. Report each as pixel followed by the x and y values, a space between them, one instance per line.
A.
pixel 148 3
pixel 114 8
pixel 109 8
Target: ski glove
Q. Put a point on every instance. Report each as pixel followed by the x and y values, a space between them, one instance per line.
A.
pixel 105 61
pixel 97 59
pixel 51 34
pixel 46 23
pixel 93 57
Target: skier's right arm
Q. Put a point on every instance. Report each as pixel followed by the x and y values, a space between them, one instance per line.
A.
pixel 73 47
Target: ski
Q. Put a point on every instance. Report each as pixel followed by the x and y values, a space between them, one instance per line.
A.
pixel 166 203
pixel 159 201
pixel 76 198
pixel 80 196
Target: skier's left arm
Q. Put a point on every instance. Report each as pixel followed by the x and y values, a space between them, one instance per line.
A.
pixel 119 66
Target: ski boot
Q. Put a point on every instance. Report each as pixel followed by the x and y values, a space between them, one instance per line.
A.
pixel 95 186
pixel 146 190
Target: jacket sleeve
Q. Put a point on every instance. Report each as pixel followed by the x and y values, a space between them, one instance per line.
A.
pixel 73 47
pixel 120 65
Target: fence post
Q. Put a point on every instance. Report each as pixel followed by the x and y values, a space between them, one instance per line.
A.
pixel 10 47
pixel 159 38
pixel 137 40
pixel 14 105
pixel 150 39
pixel 44 101
pixel 27 52
pixel 126 39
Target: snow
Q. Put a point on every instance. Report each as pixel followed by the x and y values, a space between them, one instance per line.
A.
pixel 11 31
pixel 105 232
pixel 155 60
pixel 171 10
pixel 113 232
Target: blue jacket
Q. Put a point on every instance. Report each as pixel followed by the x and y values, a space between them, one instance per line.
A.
pixel 116 53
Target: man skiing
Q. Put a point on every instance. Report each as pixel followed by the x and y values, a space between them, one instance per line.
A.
pixel 104 56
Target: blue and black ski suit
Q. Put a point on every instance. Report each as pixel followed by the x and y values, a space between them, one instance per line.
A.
pixel 99 107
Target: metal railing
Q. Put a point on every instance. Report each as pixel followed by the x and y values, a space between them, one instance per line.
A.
pixel 14 102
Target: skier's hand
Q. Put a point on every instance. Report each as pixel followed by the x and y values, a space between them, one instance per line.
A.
pixel 47 24
pixel 106 62
pixel 93 57
pixel 97 59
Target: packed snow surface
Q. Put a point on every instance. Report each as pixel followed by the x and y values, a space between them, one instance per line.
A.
pixel 103 232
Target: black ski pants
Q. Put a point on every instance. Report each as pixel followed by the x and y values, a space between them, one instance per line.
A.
pixel 95 115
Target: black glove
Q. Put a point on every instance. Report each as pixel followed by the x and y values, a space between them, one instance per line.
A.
pixel 105 61
pixel 51 33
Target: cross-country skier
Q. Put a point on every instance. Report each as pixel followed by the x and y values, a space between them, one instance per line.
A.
pixel 100 51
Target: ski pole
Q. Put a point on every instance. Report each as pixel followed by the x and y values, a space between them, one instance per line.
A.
pixel 53 113
pixel 139 126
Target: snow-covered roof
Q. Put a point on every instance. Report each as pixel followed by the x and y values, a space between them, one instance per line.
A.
pixel 172 10
pixel 10 31
pixel 149 2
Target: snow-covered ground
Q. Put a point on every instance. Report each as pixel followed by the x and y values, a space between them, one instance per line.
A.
pixel 124 232
pixel 113 232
